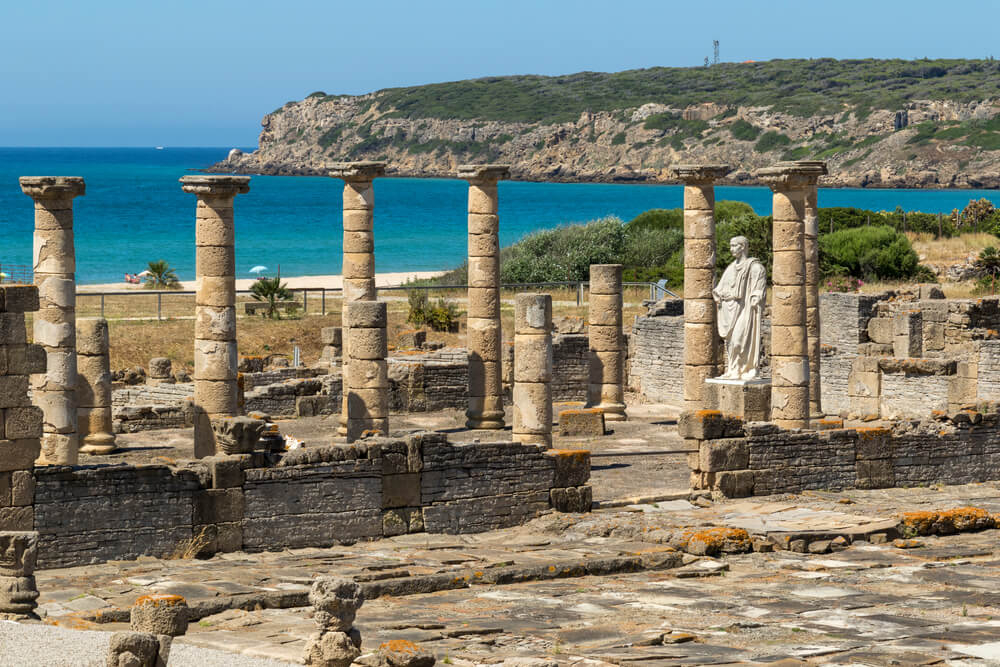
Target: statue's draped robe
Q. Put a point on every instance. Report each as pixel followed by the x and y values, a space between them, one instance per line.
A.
pixel 739 322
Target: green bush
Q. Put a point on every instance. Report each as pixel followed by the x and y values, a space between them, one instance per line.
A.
pixel 658 218
pixel 563 253
pixel 868 252
pixel 770 141
pixel 442 316
pixel 618 139
pixel 744 131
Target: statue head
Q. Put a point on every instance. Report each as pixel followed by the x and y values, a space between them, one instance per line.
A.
pixel 739 246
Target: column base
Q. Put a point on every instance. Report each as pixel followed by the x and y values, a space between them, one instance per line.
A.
pixel 747 399
pixel 533 438
pixel 613 412
pixel 97 444
pixel 484 421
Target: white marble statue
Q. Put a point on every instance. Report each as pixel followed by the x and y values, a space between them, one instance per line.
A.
pixel 739 299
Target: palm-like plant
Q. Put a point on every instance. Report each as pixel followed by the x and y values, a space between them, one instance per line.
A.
pixel 270 291
pixel 161 276
pixel 989 263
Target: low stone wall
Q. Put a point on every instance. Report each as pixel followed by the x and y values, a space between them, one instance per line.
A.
pixel 738 460
pixel 262 378
pixel 656 357
pixel 570 367
pixel 308 497
pixel 843 326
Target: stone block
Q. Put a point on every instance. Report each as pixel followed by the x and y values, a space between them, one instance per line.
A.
pixel 575 499
pixel 18 298
pixel 723 454
pixel 413 339
pixel 331 336
pixel 874 443
pixel 219 506
pixel 708 425
pixel 735 483
pixel 138 649
pixel 401 490
pixel 237 435
pixel 876 474
pixel 19 454
pixel 572 466
pixel 160 614
pixel 749 400
pixel 23 422
pixel 226 471
pixel 16 519
pixel 587 422
pixel 92 337
pixel 881 330
pixel 18 553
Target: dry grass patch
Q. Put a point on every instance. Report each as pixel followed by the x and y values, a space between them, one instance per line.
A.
pixel 949 251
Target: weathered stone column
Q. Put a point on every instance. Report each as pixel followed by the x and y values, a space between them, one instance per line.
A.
pixel 701 339
pixel 55 324
pixel 216 393
pixel 789 355
pixel 532 395
pixel 93 388
pixel 18 592
pixel 606 388
pixel 20 437
pixel 484 335
pixel 358 270
pixel 366 391
pixel 811 248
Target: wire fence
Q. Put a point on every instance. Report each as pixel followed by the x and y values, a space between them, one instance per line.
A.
pixel 20 274
pixel 176 304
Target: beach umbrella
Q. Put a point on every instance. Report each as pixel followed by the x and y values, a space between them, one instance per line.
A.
pixel 143 274
pixel 258 269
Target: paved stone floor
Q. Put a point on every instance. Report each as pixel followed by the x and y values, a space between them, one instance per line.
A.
pixel 638 580
pixel 608 588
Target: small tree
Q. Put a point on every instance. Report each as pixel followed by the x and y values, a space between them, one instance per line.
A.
pixel 270 291
pixel 161 276
pixel 989 263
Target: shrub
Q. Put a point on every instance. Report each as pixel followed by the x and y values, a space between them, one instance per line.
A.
pixel 770 141
pixel 419 306
pixel 160 275
pixel 618 139
pixel 658 218
pixel 563 253
pixel 444 316
pixel 271 291
pixel 744 131
pixel 869 252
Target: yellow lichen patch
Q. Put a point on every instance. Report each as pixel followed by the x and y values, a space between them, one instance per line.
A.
pixel 577 455
pixel 159 600
pixel 708 414
pixel 872 432
pixel 945 522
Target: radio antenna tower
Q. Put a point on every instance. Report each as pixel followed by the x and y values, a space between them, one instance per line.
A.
pixel 715 47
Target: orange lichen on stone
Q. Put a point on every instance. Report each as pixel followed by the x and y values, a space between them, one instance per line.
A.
pixel 578 455
pixel 400 646
pixel 708 414
pixel 160 600
pixel 946 522
pixel 713 541
pixel 872 432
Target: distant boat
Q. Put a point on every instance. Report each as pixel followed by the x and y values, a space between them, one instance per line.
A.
pixel 159 148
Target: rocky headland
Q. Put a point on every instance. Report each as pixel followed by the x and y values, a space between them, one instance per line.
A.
pixel 936 127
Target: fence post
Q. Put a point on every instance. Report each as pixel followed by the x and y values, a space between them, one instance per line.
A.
pixel 322 300
pixel 305 302
pixel 159 305
pixel 102 305
pixel 579 294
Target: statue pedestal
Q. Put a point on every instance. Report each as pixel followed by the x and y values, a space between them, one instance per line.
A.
pixel 749 399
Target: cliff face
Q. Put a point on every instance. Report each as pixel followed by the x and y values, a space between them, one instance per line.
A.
pixel 922 143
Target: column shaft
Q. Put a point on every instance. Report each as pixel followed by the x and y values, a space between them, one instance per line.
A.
pixel 484 337
pixel 701 340
pixel 55 323
pixel 606 387
pixel 358 270
pixel 366 392
pixel 811 249
pixel 216 390
pixel 532 393
pixel 93 389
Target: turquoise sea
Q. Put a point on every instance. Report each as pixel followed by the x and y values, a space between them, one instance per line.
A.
pixel 134 211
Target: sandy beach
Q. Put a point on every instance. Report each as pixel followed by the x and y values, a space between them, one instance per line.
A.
pixel 293 282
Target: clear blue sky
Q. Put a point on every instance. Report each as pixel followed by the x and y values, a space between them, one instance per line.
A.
pixel 203 73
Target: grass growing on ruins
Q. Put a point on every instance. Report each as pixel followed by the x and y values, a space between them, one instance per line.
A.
pixel 953 250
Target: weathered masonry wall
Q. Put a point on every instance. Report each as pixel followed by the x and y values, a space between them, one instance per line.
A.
pixel 844 323
pixel 740 460
pixel 656 354
pixel 310 497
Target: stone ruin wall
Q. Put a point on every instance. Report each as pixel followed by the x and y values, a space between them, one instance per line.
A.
pixel 311 497
pixel 735 459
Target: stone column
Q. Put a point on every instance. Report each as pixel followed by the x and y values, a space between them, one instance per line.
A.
pixel 532 395
pixel 358 270
pixel 93 388
pixel 18 592
pixel 484 335
pixel 216 393
pixel 701 338
pixel 811 248
pixel 790 183
pixel 366 390
pixel 21 430
pixel 55 323
pixel 606 388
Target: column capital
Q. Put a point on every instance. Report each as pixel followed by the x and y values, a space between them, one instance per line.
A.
pixel 483 173
pixel 52 187
pixel 705 174
pixel 792 175
pixel 357 171
pixel 215 186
